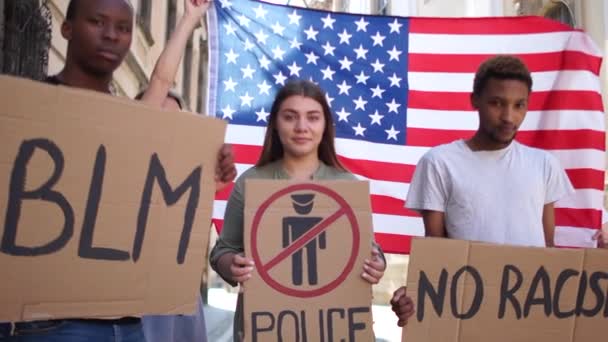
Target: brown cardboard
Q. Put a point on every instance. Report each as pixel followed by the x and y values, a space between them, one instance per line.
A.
pixel 77 122
pixel 494 264
pixel 333 309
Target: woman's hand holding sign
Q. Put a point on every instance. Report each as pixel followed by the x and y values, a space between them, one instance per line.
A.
pixel 235 268
pixel 373 269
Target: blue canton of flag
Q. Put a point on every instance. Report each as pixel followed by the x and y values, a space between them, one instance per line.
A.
pixel 360 63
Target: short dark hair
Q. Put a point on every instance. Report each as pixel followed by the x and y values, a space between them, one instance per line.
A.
pixel 71 11
pixel 272 149
pixel 502 67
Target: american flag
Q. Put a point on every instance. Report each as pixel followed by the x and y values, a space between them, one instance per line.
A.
pixel 399 86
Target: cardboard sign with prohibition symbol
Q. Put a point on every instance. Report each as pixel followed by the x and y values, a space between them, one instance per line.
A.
pixel 308 242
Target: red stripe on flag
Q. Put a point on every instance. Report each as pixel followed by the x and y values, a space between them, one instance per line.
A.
pixel 246 154
pixel 540 100
pixel 563 139
pixel 393 243
pixel 549 140
pixel 583 218
pixel 390 205
pixel 379 170
pixel 219 224
pixel 225 193
pixel 586 178
pixel 483 26
pixel 551 61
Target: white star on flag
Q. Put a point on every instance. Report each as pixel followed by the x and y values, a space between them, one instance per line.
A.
pixel 361 52
pixel 260 12
pixel 295 44
pixel 225 3
pixel 311 58
pixel 362 78
pixel 393 106
pixel 294 69
pixel 377 92
pixel 344 88
pixel 376 118
pixel 243 20
pixel 345 37
pixel 361 25
pixel 230 30
pixel 278 29
pixel 395 26
pixel 329 49
pixel 248 72
pixel 262 114
pixel 311 34
pixel 264 87
pixel 279 78
pixel 378 67
pixel 395 81
pixel 261 37
pixel 227 112
pixel 345 63
pixel 264 62
pixel 328 22
pixel 278 53
pixel 231 56
pixel 328 73
pixel 246 100
pixel 343 115
pixel 229 85
pixel 359 130
pixel 360 103
pixel 248 45
pixel 394 54
pixel 378 39
pixel 392 133
pixel 294 18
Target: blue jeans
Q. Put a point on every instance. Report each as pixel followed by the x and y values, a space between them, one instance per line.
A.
pixel 178 328
pixel 5 330
pixel 77 331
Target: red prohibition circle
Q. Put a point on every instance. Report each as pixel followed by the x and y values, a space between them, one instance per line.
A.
pixel 264 273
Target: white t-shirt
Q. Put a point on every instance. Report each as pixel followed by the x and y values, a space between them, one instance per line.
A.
pixel 491 196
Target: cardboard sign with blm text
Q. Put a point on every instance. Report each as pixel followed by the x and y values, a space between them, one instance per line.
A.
pixel 308 241
pixel 105 204
pixel 472 291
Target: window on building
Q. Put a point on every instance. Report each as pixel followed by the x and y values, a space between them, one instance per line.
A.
pixel 25 37
pixel 202 77
pixel 559 10
pixel 381 7
pixel 187 80
pixel 144 18
pixel 171 18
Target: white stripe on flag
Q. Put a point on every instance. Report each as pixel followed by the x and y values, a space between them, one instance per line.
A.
pixel 469 120
pixel 399 225
pixel 565 236
pixel 469 44
pixel 582 199
pixel 542 81
pixel 353 149
pixel 581 159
